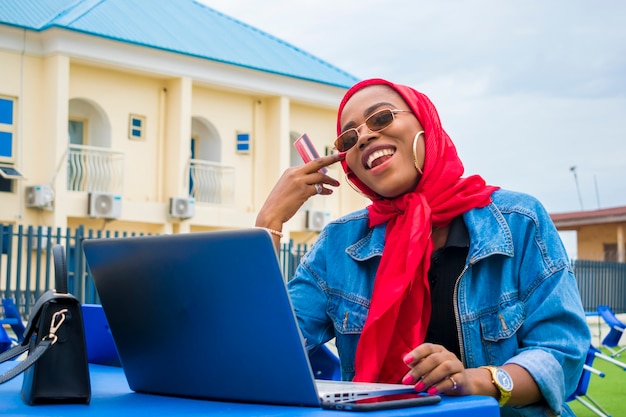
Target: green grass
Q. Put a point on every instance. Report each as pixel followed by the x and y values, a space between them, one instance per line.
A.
pixel 608 391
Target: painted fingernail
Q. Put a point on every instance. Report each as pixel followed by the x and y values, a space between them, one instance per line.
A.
pixel 408 379
pixel 419 387
pixel 408 359
pixel 432 391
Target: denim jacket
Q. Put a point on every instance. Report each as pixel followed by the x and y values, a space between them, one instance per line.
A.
pixel 517 300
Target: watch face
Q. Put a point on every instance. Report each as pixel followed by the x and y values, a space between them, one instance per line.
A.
pixel 504 379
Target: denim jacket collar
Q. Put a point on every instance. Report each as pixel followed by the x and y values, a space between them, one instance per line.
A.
pixel 491 235
pixel 370 246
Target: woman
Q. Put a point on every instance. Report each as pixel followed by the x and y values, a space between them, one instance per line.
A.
pixel 442 282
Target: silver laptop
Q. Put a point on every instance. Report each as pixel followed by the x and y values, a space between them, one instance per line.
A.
pixel 207 315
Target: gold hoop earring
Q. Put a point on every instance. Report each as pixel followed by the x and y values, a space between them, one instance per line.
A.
pixel 417 166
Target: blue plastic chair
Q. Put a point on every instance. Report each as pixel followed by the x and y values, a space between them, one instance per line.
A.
pixel 5 340
pixel 616 330
pixel 13 318
pixel 580 394
pixel 98 337
pixel 325 364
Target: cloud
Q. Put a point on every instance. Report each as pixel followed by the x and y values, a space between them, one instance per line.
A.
pixel 525 89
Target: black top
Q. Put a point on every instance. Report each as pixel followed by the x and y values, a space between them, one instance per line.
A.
pixel 446 266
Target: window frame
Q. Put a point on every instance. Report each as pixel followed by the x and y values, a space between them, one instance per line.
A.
pixel 10 129
pixel 132 128
pixel 243 143
pixel 85 122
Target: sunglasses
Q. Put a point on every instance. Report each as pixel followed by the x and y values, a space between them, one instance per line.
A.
pixel 375 123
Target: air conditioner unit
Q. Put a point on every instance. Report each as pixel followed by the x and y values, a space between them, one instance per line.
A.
pixel 316 220
pixel 39 196
pixel 182 207
pixel 40 242
pixel 104 205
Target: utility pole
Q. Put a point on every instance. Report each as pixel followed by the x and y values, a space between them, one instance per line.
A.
pixel 580 200
pixel 595 183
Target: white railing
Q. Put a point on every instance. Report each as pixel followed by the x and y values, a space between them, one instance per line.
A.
pixel 95 169
pixel 212 182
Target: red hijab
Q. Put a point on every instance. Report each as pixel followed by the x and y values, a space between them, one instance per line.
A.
pixel 400 306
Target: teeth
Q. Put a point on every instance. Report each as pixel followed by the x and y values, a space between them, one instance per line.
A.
pixel 374 156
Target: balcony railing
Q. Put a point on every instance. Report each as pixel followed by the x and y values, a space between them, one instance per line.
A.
pixel 95 169
pixel 212 182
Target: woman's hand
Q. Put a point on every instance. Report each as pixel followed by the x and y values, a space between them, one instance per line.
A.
pixel 436 370
pixel 293 189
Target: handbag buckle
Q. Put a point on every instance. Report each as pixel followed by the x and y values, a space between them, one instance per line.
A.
pixel 57 320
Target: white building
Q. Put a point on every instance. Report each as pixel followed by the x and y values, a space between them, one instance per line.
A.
pixel 155 117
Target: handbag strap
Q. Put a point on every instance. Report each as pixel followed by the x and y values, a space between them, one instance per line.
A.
pixel 60 269
pixel 14 352
pixel 58 318
pixel 60 293
pixel 30 360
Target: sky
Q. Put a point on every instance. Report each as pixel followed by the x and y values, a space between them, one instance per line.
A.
pixel 532 93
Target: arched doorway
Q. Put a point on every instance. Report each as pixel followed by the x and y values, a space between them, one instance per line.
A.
pixel 92 165
pixel 209 180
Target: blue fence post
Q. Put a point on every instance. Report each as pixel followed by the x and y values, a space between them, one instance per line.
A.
pixel 48 257
pixel 19 296
pixel 40 242
pixel 29 254
pixel 6 248
pixel 79 264
pixel 91 295
pixel 288 260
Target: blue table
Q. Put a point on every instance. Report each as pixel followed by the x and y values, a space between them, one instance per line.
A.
pixel 111 396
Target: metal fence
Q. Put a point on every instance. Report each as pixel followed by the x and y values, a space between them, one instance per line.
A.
pixel 601 283
pixel 27 267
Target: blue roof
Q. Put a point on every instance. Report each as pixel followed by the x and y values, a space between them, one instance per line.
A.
pixel 180 26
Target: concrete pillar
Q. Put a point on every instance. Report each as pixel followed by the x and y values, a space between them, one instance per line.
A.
pixel 621 256
pixel 271 145
pixel 54 116
pixel 177 137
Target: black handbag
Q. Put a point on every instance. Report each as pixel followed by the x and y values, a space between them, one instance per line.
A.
pixel 56 369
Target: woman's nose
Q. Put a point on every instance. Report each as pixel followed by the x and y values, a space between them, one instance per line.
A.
pixel 365 138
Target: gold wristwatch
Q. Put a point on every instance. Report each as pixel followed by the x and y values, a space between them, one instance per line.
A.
pixel 502 380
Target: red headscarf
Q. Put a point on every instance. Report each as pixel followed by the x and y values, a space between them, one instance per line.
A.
pixel 400 306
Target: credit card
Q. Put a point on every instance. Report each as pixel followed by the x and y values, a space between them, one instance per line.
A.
pixel 307 151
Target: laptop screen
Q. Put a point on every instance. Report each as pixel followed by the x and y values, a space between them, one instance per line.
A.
pixel 203 315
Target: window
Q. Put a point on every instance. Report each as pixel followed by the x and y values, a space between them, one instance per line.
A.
pixel 6 186
pixel 136 127
pixel 243 143
pixel 76 131
pixel 7 128
pixel 610 252
pixel 7 144
pixel 7 175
